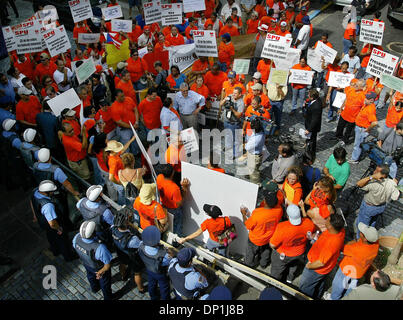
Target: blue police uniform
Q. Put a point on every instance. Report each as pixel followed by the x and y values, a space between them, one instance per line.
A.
pixel 29 153
pixel 48 171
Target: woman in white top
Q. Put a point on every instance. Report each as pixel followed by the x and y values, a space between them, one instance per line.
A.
pixel 15 78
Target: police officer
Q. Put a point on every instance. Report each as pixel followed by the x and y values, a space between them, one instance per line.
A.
pixel 127 243
pixel 156 260
pixel 96 259
pixel 46 212
pixel 186 280
pixel 93 208
pixel 29 151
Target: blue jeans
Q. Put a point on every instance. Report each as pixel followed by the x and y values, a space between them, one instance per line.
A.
pixel 211 245
pixel 368 215
pixel 121 193
pixel 104 282
pixel 125 135
pixel 178 220
pixel 346 45
pixel 233 139
pixel 277 107
pixel 393 170
pixel 97 173
pixel 360 135
pixel 319 79
pixel 312 283
pixel 331 108
pixel 297 94
pixel 380 103
pixel 161 280
pixel 342 285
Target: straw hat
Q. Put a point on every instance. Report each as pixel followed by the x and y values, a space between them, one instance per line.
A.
pixel 114 146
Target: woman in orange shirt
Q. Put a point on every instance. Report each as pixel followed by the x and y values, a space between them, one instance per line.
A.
pixel 200 87
pixel 175 79
pixel 299 90
pixel 48 82
pixel 252 23
pixel 323 193
pixel 137 67
pixel 260 9
pixel 291 187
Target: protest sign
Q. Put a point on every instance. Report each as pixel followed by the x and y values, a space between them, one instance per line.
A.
pixel 121 25
pixel 113 12
pixel 171 14
pixel 182 56
pixel 85 71
pixel 392 82
pixel 9 39
pixel 276 47
pixel 339 99
pixel 372 31
pixel 381 62
pixel 68 99
pixel 189 140
pixel 152 12
pixel 201 118
pixel 278 76
pixel 212 113
pixel 340 79
pixel 241 66
pixel 142 52
pixel 322 50
pixel 57 41
pixel 314 61
pixel 205 43
pixel 28 41
pixel 25 25
pixel 292 59
pixel 85 38
pixel 194 5
pixel 301 76
pixel 80 10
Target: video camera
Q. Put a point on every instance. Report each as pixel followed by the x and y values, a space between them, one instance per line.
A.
pixel 378 156
pixel 267 124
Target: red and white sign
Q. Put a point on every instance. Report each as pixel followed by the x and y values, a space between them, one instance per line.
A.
pixel 9 39
pixel 57 41
pixel 171 14
pixel 28 41
pixel 152 12
pixel 205 43
pixel 381 62
pixel 80 10
pixel 372 31
pixel 276 47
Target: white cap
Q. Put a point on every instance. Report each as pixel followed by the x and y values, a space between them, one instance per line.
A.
pixel 294 214
pixel 47 186
pixel 87 229
pixel 43 155
pixel 8 124
pixel 370 233
pixel 93 192
pixel 257 75
pixel 29 135
pixel 283 24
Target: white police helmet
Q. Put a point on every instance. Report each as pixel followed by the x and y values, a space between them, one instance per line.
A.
pixel 87 229
pixel 93 192
pixel 47 186
pixel 8 124
pixel 29 135
pixel 43 155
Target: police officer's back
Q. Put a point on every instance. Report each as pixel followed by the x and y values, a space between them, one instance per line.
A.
pixel 29 151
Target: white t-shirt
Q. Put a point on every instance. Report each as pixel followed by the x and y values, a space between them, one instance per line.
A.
pixel 59 77
pixel 303 36
pixel 143 40
pixel 16 83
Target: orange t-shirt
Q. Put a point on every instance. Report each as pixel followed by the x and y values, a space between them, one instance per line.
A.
pixel 27 111
pixel 201 66
pixel 249 111
pixel 331 67
pixel 350 30
pixel 252 26
pixel 366 116
pixel 135 34
pixel 371 85
pixel 296 195
pixel 290 239
pixel 289 15
pixel 123 110
pixel 210 5
pixel 215 82
pixel 266 20
pixel 327 43
pixel 175 41
pixel 76 126
pixel 203 90
pixel 127 88
pixel 357 258
pixel 170 192
pixel 115 164
pixel 262 224
pixel 41 70
pixel 147 212
pixel 261 11
pixel 73 148
pixel 327 250
pixel 318 198
pixel 226 53
pixel 187 31
pixel 298 67
pixel 353 104
pixel 233 31
pixel 77 30
pixel 264 69
pixel 393 117
pixel 229 88
pixel 215 226
pixel 173 156
pixel 281 33
pixel 107 118
pixel 265 102
pixel 101 161
pixel 298 18
pixel 365 49
pixel 136 68
pixel 209 21
pixel 151 112
pixel 26 68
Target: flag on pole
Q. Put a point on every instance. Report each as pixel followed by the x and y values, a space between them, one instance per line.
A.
pixel 112 38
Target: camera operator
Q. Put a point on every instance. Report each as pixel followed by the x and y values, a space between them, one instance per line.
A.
pixel 255 109
pixel 254 149
pixel 233 110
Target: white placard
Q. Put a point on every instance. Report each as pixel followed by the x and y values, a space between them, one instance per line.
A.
pixel 85 71
pixel 339 99
pixel 142 52
pixel 68 99
pixel 57 41
pixel 326 52
pixel 293 56
pixel 113 12
pixel 201 118
pixel 205 43
pixel 121 25
pixel 212 187
pixel 182 56
pixel 171 14
pixel 48 13
pixel 194 5
pixel 152 12
pixel 301 76
pixel 241 66
pixel 381 62
pixel 212 113
pixel 9 39
pixel 80 10
pixel 189 140
pixel 85 38
pixel 276 47
pixel 28 41
pixel 340 79
pixel 25 25
pixel 372 31
pixel 314 61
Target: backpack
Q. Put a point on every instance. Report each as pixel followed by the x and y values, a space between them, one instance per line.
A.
pixel 131 191
pixel 163 88
pixel 228 235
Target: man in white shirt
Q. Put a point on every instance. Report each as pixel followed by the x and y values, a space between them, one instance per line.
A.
pixel 353 60
pixel 145 38
pixel 303 35
pixel 62 76
pixel 227 9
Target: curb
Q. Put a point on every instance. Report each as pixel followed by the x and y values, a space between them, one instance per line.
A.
pixel 315 13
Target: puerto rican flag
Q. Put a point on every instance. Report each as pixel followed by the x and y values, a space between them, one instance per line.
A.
pixel 112 38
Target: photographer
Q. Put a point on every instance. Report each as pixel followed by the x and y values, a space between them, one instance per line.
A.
pixel 233 110
pixel 255 109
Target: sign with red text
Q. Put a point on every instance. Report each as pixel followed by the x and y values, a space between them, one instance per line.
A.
pixel 381 62
pixel 9 39
pixel 171 14
pixel 57 41
pixel 276 47
pixel 372 31
pixel 205 43
pixel 152 12
pixel 28 41
pixel 80 10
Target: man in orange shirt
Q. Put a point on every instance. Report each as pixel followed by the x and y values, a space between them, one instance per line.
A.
pixel 201 66
pixel 355 98
pixel 364 122
pixel 289 241
pixel 137 67
pixel 229 28
pixel 45 68
pixel 174 38
pixel 126 85
pixel 349 38
pixel 189 29
pixel 257 90
pixel 261 225
pixel 226 52
pixel 214 80
pixel 214 22
pixel 264 67
pixel 229 85
pixel 283 30
pixel 358 257
pixel 150 109
pixel 25 64
pixel 322 257
pixel 393 117
pixel 27 108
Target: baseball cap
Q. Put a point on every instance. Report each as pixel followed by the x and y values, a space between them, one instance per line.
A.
pixel 93 192
pixel 257 75
pixel 269 185
pixel 24 91
pixel 29 135
pixel 257 86
pixel 185 255
pixel 151 236
pixel 44 55
pixel 121 65
pixel 294 214
pixel 263 27
pixel 226 36
pixel 283 24
pixel 371 95
pixel 370 233
pixel 212 210
pixel 306 20
pixel 220 293
pixel 231 74
pixel 270 294
pixel 98 68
